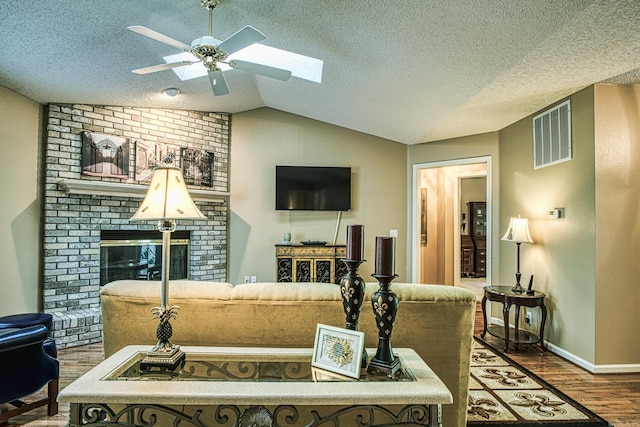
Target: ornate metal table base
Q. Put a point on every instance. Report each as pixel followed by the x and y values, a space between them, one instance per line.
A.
pixel 231 415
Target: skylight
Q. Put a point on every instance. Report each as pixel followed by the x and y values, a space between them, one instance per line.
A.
pixel 301 66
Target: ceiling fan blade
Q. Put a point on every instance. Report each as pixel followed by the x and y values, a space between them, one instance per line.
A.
pixel 218 83
pixel 162 67
pixel 263 70
pixel 159 37
pixel 241 39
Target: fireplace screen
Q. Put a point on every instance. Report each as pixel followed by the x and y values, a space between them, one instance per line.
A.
pixel 137 255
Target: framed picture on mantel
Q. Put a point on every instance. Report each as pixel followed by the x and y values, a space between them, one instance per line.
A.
pixel 105 155
pixel 149 155
pixel 197 167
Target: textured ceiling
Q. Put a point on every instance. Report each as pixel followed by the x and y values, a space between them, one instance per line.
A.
pixel 410 71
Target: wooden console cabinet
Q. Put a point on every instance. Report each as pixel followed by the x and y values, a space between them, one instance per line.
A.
pixel 310 263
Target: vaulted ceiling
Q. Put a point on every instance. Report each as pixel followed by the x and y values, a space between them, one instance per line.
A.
pixel 409 71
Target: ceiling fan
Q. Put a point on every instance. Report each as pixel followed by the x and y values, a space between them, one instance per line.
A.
pixel 211 52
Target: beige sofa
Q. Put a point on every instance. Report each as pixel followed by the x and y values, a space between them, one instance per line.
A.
pixel 436 321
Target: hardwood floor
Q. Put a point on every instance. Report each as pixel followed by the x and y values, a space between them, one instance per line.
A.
pixel 615 397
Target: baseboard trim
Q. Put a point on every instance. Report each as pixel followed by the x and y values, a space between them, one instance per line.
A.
pixel 629 368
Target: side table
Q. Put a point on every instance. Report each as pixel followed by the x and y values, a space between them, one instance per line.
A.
pixel 508 298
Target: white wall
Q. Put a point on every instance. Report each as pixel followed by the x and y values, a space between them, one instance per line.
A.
pixel 20 212
pixel 264 138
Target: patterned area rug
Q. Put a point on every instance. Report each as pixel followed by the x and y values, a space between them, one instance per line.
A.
pixel 503 393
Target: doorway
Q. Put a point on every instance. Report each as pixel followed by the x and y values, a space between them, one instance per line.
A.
pixel 440 198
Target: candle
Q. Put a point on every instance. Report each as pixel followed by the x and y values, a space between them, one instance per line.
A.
pixel 355 242
pixel 385 256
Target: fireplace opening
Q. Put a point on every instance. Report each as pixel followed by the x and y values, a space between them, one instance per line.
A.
pixel 137 255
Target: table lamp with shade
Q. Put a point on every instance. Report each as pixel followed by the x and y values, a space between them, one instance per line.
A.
pixel 166 201
pixel 518 232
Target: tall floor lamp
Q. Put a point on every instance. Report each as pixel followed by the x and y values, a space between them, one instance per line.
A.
pixel 518 232
pixel 167 200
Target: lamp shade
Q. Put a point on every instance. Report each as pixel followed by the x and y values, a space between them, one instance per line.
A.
pixel 518 231
pixel 167 198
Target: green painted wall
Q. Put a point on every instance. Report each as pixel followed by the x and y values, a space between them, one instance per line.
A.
pixel 20 212
pixel 264 138
pixel 617 156
pixel 562 258
pixel 585 262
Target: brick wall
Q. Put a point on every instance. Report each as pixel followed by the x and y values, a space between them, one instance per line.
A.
pixel 72 222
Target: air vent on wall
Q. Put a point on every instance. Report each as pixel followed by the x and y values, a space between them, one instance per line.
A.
pixel 552 136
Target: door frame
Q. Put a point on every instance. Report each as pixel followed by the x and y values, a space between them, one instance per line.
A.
pixel 415 214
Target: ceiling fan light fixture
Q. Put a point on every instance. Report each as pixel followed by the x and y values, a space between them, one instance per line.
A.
pixel 210 4
pixel 213 54
pixel 171 92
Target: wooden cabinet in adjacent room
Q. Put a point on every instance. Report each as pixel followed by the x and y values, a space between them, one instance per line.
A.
pixel 478 234
pixel 310 263
pixel 480 257
pixel 466 256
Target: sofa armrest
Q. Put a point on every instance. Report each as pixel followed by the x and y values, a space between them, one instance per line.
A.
pixel 15 338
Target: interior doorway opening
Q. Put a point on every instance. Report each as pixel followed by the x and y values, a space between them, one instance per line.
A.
pixel 442 193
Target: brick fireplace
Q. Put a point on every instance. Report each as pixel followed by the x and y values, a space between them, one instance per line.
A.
pixel 79 209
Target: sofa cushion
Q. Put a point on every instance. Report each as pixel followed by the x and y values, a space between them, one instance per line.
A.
pixel 150 290
pixel 285 291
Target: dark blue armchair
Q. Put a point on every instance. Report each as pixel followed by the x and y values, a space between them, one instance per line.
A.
pixel 27 363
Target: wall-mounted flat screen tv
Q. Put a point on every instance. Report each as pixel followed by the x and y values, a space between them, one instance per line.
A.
pixel 314 188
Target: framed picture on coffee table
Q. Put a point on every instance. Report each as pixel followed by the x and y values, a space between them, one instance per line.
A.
pixel 338 350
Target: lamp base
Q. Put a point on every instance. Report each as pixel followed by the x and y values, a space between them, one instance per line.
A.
pixel 517 288
pixel 165 361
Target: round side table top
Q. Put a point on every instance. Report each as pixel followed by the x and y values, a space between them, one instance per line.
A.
pixel 507 290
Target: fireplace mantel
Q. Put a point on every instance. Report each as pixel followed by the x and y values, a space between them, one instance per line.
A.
pixel 121 189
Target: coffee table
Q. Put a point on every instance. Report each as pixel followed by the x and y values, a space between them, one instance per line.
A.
pixel 233 386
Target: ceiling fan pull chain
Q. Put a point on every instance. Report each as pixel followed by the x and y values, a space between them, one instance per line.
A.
pixel 210 22
pixel 210 4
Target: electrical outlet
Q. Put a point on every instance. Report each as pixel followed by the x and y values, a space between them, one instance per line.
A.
pixel 253 279
pixel 527 318
pixel 246 279
pixel 393 233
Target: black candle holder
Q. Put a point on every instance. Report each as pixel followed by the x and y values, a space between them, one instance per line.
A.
pixel 385 307
pixel 352 290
